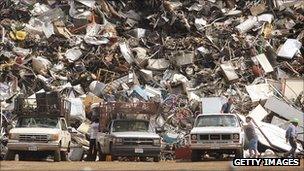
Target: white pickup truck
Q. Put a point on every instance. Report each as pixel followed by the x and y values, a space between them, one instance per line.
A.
pixel 39 136
pixel 216 134
pixel 130 138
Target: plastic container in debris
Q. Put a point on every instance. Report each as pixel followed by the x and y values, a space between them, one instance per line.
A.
pixel 170 138
pixel 289 48
pixel 247 24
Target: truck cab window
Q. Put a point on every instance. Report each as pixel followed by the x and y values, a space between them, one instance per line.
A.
pixel 43 122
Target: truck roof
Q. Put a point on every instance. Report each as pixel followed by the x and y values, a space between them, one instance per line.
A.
pixel 131 120
pixel 41 116
pixel 208 114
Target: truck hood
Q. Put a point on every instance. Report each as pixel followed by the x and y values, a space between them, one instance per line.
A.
pixel 208 130
pixel 35 130
pixel 135 135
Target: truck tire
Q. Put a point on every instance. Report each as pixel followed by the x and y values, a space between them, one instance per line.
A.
pixel 10 155
pixel 64 155
pixel 156 159
pixel 102 157
pixel 113 158
pixel 218 156
pixel 22 157
pixel 57 156
pixel 239 153
pixel 195 155
pixel 69 147
pixel 142 159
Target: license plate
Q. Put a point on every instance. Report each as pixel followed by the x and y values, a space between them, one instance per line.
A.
pixel 139 150
pixel 32 148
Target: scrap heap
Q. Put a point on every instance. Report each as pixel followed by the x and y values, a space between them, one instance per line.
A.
pixel 175 52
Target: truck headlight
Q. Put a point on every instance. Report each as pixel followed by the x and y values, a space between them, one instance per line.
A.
pixel 193 137
pixel 13 136
pixel 53 137
pixel 236 136
pixel 156 142
pixel 118 141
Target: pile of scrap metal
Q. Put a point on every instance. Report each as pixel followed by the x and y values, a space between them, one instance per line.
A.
pixel 174 52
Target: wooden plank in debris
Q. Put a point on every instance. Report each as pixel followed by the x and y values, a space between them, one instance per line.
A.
pixel 229 71
pixel 292 87
pixel 258 9
pixel 258 113
pixel 262 59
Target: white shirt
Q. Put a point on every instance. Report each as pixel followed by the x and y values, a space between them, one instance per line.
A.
pixel 94 130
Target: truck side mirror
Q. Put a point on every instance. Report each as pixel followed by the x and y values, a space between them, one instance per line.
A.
pixel 70 129
pixel 106 130
pixel 10 126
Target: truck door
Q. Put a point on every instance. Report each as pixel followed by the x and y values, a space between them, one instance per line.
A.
pixel 64 130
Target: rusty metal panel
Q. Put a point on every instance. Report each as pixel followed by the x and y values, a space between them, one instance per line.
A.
pixel 109 110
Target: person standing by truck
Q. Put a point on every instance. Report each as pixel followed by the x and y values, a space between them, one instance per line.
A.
pixel 252 137
pixel 226 108
pixel 94 129
pixel 291 137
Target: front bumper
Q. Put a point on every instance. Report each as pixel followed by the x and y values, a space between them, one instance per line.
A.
pixel 135 151
pixel 31 146
pixel 198 146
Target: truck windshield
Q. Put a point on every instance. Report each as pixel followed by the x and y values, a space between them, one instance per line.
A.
pixel 217 120
pixel 43 122
pixel 130 125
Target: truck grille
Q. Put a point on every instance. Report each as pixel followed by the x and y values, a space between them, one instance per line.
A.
pixel 138 141
pixel 215 137
pixel 33 138
pixel 204 137
pixel 226 136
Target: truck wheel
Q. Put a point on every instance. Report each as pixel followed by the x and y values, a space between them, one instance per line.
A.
pixel 156 159
pixel 69 147
pixel 102 157
pixel 114 158
pixel 10 155
pixel 239 153
pixel 195 156
pixel 57 156
pixel 64 155
pixel 22 157
pixel 218 156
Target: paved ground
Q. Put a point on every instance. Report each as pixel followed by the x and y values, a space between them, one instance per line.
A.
pixel 171 165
